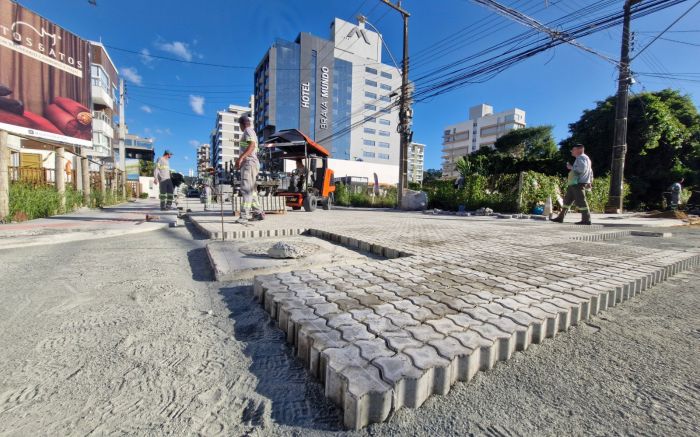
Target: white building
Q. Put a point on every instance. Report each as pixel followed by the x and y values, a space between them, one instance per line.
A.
pixel 226 136
pixel 481 130
pixel 337 91
pixel 203 158
pixel 416 158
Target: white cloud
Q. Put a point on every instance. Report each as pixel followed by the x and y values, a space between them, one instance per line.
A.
pixel 147 109
pixel 187 158
pixel 131 75
pixel 178 48
pixel 167 131
pixel 146 58
pixel 194 143
pixel 197 104
pixel 159 131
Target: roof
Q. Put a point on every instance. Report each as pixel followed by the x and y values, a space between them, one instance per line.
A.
pixel 292 143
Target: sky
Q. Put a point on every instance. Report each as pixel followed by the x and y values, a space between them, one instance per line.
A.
pixel 176 102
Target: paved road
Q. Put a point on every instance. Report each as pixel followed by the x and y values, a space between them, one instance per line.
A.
pixel 128 335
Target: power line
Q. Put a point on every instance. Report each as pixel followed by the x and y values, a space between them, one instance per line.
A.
pixel 664 31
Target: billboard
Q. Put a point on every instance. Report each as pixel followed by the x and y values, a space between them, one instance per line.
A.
pixel 133 169
pixel 44 78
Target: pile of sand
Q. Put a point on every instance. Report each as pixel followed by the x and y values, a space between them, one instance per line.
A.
pixel 680 215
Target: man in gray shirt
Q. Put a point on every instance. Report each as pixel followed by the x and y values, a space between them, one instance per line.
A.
pixel 249 165
pixel 579 180
pixel 161 175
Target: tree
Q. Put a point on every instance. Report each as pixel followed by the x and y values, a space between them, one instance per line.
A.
pixel 146 167
pixel 431 175
pixel 528 143
pixel 663 142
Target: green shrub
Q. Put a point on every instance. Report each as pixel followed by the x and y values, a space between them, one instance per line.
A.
pixel 362 199
pixel 74 199
pixel 29 201
pixel 143 196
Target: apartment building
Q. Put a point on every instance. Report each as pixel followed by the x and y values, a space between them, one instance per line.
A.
pixel 226 136
pixel 482 129
pixel 416 157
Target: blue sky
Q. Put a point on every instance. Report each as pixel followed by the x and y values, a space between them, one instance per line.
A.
pixel 176 102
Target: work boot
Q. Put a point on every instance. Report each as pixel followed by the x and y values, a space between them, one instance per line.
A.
pixel 585 218
pixel 258 216
pixel 560 217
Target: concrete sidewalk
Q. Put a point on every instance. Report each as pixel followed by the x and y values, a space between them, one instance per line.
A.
pixel 123 219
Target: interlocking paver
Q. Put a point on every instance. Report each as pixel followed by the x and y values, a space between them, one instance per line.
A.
pixel 385 334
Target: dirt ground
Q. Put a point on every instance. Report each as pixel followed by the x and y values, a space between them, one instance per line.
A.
pixel 131 336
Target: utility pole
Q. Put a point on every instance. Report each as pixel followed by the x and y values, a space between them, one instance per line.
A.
pixel 619 148
pixel 4 176
pixel 404 112
pixel 122 135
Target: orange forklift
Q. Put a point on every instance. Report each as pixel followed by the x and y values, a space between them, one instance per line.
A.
pixel 311 182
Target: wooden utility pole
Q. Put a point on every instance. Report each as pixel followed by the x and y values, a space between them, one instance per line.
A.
pixel 4 176
pixel 404 112
pixel 619 148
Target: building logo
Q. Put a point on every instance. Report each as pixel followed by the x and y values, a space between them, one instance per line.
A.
pixel 359 33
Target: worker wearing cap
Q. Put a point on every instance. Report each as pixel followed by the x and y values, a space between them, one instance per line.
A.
pixel 161 175
pixel 249 165
pixel 579 180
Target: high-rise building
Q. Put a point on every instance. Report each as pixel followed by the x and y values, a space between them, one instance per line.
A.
pixel 481 130
pixel 416 155
pixel 337 91
pixel 105 82
pixel 226 136
pixel 203 158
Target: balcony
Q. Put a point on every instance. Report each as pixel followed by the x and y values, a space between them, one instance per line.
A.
pixel 102 123
pixel 100 95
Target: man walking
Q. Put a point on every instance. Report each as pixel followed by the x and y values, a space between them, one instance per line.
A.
pixel 579 180
pixel 161 174
pixel 249 165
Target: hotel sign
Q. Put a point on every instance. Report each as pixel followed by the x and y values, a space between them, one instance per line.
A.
pixel 323 94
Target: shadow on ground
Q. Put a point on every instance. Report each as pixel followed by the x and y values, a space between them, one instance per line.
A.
pixel 296 399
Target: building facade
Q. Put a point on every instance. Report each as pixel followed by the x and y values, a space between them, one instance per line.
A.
pixel 337 91
pixel 203 159
pixel 105 83
pixel 226 136
pixel 136 147
pixel 416 158
pixel 481 130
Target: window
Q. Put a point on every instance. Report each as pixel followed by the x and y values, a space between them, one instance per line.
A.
pixel 385 99
pixel 368 142
pixel 384 121
pixel 387 75
pixel 383 156
pixel 370 131
pixel 370 95
pixel 384 133
pixel 371 119
pixel 368 154
pixel 370 70
pixel 370 107
pixel 385 87
pixel 384 144
pixel 370 82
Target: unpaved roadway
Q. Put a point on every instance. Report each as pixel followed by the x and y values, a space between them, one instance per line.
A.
pixel 129 335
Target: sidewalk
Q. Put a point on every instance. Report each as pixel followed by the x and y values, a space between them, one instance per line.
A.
pixel 123 219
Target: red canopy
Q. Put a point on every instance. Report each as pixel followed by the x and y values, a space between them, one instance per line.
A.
pixel 294 144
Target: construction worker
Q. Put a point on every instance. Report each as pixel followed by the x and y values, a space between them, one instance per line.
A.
pixel 579 180
pixel 249 165
pixel 676 189
pixel 161 175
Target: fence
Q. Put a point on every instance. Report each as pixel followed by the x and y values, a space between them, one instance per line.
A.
pixel 47 176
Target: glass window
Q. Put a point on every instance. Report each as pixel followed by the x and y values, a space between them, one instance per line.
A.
pixel 370 131
pixel 387 75
pixel 371 70
pixel 384 121
pixel 385 99
pixel 383 156
pixel 370 95
pixel 368 142
pixel 371 119
pixel 385 87
pixel 370 82
pixel 384 144
pixel 368 154
pixel 370 107
pixel 384 133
